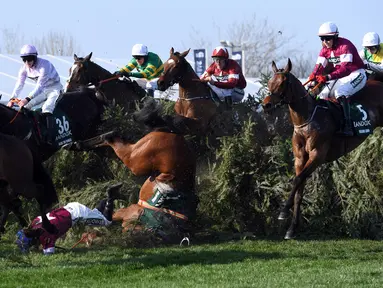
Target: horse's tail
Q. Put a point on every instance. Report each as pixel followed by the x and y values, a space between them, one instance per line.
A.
pixel 150 115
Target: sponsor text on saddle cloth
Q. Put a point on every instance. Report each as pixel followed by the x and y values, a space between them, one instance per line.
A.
pixel 62 129
pixel 361 122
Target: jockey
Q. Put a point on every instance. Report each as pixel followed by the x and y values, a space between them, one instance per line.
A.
pixel 225 77
pixel 63 219
pixel 149 68
pixel 48 86
pixel 372 54
pixel 346 74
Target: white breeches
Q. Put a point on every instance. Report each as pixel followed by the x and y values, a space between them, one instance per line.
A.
pixel 82 214
pixel 145 83
pixel 346 86
pixel 237 94
pixel 49 95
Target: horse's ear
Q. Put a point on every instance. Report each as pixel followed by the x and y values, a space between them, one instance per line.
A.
pixel 87 58
pixel 172 51
pixel 274 66
pixel 288 66
pixel 75 57
pixel 183 54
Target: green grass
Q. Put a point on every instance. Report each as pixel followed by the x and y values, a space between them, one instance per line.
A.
pixel 344 263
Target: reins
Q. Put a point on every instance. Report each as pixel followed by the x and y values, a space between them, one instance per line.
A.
pixel 16 101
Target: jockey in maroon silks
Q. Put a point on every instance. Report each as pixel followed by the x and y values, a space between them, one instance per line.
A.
pixel 63 219
pixel 347 75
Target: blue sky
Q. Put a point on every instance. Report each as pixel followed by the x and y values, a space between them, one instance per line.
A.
pixel 111 28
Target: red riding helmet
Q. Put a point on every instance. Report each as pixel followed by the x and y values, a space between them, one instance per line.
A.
pixel 221 52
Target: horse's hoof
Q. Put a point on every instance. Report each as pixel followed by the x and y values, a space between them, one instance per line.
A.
pixel 283 215
pixel 289 235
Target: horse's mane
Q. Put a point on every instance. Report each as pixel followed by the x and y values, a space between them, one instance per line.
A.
pixel 189 67
pixel 79 97
pixel 100 67
pixel 282 71
pixel 8 108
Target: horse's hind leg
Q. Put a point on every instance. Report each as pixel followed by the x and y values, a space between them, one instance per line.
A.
pixel 290 234
pixel 4 186
pixel 16 207
pixel 47 194
pixel 4 215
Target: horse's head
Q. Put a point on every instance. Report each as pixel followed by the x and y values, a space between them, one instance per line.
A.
pixel 84 72
pixel 278 86
pixel 174 69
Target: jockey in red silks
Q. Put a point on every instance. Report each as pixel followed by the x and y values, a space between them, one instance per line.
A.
pixel 346 74
pixel 225 77
pixel 63 219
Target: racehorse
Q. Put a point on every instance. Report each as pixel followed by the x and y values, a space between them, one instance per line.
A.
pixel 77 116
pixel 195 106
pixel 314 140
pixel 21 175
pixel 85 72
pixel 167 199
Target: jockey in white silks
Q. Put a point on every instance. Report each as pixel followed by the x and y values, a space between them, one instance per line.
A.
pixel 48 86
pixel 346 75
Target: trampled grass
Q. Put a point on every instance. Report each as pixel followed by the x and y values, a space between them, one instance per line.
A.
pixel 343 263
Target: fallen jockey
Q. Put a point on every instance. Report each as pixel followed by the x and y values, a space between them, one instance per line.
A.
pixel 63 219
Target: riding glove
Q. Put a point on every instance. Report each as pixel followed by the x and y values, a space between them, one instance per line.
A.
pixel 311 77
pixel 321 79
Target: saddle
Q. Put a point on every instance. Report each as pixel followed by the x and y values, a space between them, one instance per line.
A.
pixel 361 122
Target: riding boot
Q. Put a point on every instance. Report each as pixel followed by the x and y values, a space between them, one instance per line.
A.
pixel 50 122
pixel 347 128
pixel 108 210
pixel 113 191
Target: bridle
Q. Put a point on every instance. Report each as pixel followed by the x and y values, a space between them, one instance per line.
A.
pixel 282 94
pixel 288 88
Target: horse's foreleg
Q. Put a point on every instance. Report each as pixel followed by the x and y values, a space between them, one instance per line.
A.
pixel 301 176
pixel 16 207
pixel 129 216
pixel 296 198
pixel 301 159
pixel 290 234
pixel 47 225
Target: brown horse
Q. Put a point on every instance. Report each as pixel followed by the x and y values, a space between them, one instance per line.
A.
pixel 167 199
pixel 195 106
pixel 85 72
pixel 21 175
pixel 315 123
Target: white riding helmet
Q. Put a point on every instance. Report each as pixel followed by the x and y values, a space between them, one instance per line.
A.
pixel 139 50
pixel 371 39
pixel 28 50
pixel 328 29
